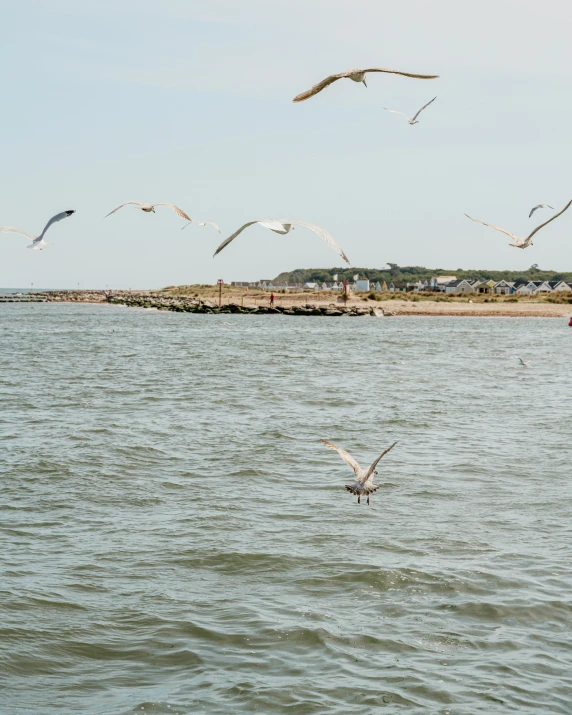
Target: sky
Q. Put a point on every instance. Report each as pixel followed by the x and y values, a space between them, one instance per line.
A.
pixel 190 102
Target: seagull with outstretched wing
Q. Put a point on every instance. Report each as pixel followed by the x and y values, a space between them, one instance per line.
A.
pixel 356 75
pixel 283 226
pixel 38 243
pixel 203 223
pixel 540 206
pixel 414 120
pixel 519 241
pixel 150 208
pixel 364 484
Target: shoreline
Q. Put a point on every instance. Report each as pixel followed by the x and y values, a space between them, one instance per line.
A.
pixel 301 305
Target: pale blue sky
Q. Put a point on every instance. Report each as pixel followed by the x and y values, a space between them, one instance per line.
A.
pixel 190 102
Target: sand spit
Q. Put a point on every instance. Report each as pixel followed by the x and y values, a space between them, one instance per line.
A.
pixel 319 306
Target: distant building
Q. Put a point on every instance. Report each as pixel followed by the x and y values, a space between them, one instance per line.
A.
pixel 362 284
pixel 439 282
pixel 504 288
pixel 311 286
pixel 459 286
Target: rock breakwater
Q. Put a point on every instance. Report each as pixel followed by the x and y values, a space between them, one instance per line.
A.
pixel 189 304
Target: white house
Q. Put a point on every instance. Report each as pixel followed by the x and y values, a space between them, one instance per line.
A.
pixel 504 288
pixel 525 288
pixel 362 284
pixel 561 285
pixel 311 286
pixel 542 287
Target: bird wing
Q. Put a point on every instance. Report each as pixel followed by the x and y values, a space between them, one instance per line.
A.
pixel 348 459
pixel 490 225
pixel 384 69
pixel 55 219
pixel 371 470
pixel 422 108
pixel 233 236
pixel 202 223
pixel 177 210
pixel 394 111
pixel 322 233
pixel 320 86
pixel 137 203
pixel 276 226
pixel 10 229
pixel 209 223
pixel 549 220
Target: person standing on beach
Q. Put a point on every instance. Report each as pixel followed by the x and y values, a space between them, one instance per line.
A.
pixel 271 300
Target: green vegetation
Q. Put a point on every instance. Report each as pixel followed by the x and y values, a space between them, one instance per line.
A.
pixel 415 273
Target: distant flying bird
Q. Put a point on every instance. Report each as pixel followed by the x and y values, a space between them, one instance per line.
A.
pixel 357 76
pixel 414 120
pixel 364 484
pixel 150 208
pixel 283 226
pixel 540 206
pixel 38 242
pixel 519 241
pixel 203 223
pixel 522 362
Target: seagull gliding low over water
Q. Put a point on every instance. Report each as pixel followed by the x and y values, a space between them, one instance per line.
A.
pixel 150 208
pixel 364 484
pixel 519 241
pixel 38 242
pixel 283 226
pixel 357 76
pixel 414 120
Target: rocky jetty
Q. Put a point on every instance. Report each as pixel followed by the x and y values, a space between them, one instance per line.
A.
pixel 188 304
pixel 182 304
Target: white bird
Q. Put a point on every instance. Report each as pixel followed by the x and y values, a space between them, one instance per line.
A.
pixel 283 226
pixel 203 223
pixel 522 362
pixel 519 241
pixel 414 120
pixel 540 206
pixel 364 484
pixel 38 242
pixel 356 75
pixel 150 208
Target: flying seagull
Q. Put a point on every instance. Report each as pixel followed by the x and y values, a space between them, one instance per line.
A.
pixel 364 484
pixel 414 120
pixel 283 226
pixel 540 206
pixel 357 76
pixel 38 242
pixel 523 362
pixel 519 241
pixel 203 223
pixel 148 208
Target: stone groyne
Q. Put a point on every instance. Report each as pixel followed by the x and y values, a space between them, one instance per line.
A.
pixel 188 304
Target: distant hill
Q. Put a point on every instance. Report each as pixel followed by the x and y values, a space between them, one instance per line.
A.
pixel 415 273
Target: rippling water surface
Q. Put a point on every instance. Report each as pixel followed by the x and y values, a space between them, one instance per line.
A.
pixel 176 539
